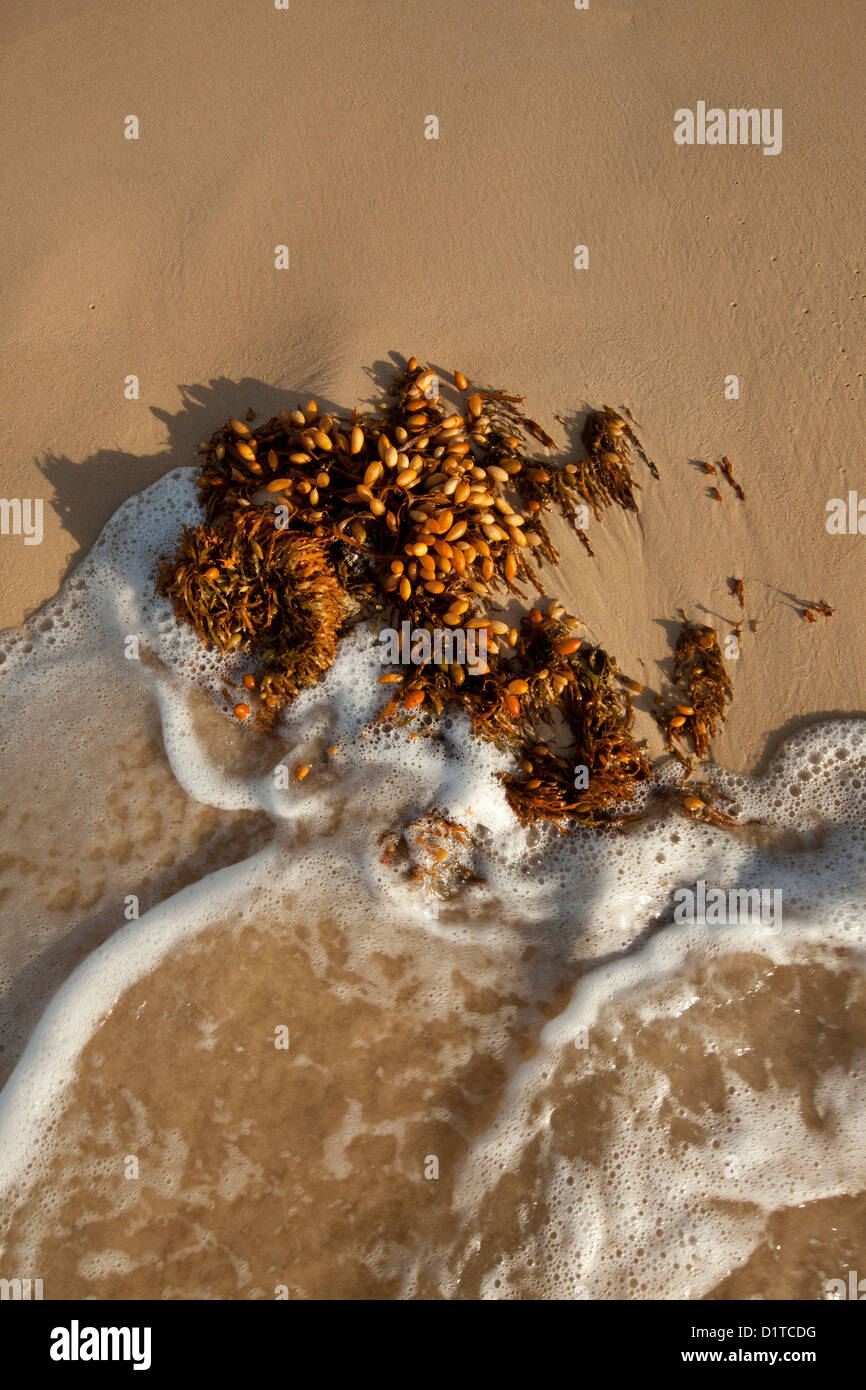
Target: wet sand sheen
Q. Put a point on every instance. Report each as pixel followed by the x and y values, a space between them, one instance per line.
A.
pixel 78 843
pixel 302 1168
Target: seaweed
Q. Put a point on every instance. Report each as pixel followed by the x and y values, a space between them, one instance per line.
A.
pixel 421 514
pixel 698 666
pixel 823 608
pixel 725 467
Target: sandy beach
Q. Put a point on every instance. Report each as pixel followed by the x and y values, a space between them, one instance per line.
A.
pixel 258 128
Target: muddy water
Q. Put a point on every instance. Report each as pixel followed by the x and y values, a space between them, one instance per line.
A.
pixel 267 1116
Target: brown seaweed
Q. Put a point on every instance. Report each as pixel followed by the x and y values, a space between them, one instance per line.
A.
pixel 699 666
pixel 435 516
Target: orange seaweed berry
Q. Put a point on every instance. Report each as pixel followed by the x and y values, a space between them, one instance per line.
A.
pixel 567 646
pixel 212 573
pixel 413 699
pixel 242 711
pixel 512 704
pixel 301 772
pixel 250 682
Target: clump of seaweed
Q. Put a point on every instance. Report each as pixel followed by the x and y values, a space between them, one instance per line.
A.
pixel 240 581
pixel 726 468
pixel 823 608
pixel 599 765
pixel 431 516
pixel 434 851
pixel 703 810
pixel 604 477
pixel 735 587
pixel 700 667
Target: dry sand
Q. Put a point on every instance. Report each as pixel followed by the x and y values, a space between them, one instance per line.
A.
pixel 261 127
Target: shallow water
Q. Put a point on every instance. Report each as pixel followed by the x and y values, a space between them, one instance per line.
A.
pixel 299 1072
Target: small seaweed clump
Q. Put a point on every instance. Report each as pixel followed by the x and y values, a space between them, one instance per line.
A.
pixel 700 666
pixel 435 851
pixel 604 766
pixel 823 608
pixel 428 515
pixel 241 581
pixel 604 476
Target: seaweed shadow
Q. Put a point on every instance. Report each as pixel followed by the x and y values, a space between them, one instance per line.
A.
pixel 87 492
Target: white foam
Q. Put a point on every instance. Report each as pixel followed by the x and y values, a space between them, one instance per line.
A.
pixel 584 896
pixel 758 1152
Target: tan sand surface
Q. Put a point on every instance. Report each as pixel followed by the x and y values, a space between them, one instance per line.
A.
pixel 306 128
